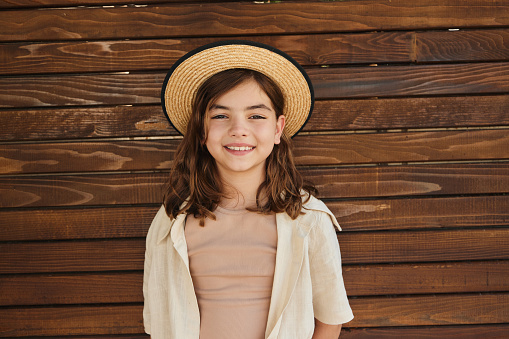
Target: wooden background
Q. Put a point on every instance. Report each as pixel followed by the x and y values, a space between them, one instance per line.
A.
pixel 408 144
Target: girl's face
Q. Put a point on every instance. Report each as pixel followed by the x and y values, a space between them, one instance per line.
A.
pixel 242 129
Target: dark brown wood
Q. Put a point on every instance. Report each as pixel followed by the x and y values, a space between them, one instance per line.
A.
pixel 443 332
pixel 384 81
pixel 71 3
pixel 363 114
pixel 310 150
pixel 142 55
pixel 323 49
pixel 119 121
pixel 143 188
pixel 106 288
pixel 418 246
pixel 448 277
pixel 362 215
pixel 77 320
pixel 404 113
pixel 329 83
pixel 360 280
pixel 371 312
pixel 430 310
pixel 72 256
pixel 472 45
pixel 425 180
pixel 81 223
pixel 428 213
pixel 247 18
pixel 357 248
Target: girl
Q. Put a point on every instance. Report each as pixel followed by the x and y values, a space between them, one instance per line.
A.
pixel 240 247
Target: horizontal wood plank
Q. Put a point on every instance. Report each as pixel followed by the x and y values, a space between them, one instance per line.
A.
pixel 410 80
pixel 73 256
pixel 360 280
pixel 323 49
pixel 357 248
pixel 84 320
pixel 80 223
pixel 430 310
pixel 427 278
pixel 178 20
pixel 443 332
pixel 424 246
pixel 470 45
pixel 143 188
pixel 70 3
pixel 62 289
pixel 329 115
pixel 310 150
pixel 427 213
pixel 359 215
pixel 160 54
pixel 329 83
pixel 370 312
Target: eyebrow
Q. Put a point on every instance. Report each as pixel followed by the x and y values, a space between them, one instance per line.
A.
pixel 262 106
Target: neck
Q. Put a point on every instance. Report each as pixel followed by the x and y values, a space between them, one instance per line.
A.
pixel 241 191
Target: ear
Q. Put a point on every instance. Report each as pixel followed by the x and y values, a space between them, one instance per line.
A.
pixel 280 125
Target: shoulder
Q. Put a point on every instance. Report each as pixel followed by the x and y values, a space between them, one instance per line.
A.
pixel 316 213
pixel 160 227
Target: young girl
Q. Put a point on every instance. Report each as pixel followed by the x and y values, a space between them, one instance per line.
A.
pixel 240 247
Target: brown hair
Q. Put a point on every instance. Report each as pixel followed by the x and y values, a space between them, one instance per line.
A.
pixel 194 186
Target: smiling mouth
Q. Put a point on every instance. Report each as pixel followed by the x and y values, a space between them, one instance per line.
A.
pixel 243 148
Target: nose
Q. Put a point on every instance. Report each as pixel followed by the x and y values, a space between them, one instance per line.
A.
pixel 238 127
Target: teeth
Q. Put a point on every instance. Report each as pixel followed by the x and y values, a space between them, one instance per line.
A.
pixel 244 148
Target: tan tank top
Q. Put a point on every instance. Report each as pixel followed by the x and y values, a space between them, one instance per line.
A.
pixel 232 261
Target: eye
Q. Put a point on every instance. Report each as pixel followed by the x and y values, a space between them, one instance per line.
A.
pixel 257 116
pixel 219 116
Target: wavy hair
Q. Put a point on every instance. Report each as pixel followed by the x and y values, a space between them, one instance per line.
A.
pixel 194 186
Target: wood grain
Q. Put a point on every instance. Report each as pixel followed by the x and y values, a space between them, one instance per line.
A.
pixel 247 18
pixel 371 312
pixel 353 215
pixel 328 115
pixel 311 49
pixel 424 246
pixel 160 54
pixel 76 320
pixel 310 150
pixel 143 188
pixel 474 45
pixel 433 278
pixel 72 256
pixel 427 213
pixel 357 248
pixel 410 80
pixel 360 280
pixel 65 289
pixel 71 3
pixel 329 83
pixel 444 332
pixel 430 310
pixel 76 223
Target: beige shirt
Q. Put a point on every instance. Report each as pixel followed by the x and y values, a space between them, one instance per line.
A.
pixel 307 283
pixel 232 261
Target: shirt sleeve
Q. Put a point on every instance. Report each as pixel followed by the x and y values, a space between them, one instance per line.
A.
pixel 330 303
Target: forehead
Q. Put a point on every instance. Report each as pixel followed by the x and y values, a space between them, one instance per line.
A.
pixel 247 93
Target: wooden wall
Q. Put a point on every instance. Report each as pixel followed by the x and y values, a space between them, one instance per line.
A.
pixel 408 144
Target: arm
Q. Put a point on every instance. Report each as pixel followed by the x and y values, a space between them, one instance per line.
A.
pixel 325 331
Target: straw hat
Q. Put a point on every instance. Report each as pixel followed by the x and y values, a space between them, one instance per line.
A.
pixel 190 71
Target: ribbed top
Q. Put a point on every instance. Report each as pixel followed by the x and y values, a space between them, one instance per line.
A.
pixel 232 261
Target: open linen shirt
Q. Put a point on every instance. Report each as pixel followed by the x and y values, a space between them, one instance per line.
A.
pixel 308 282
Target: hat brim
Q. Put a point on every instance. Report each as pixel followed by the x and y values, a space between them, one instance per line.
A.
pixel 193 69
